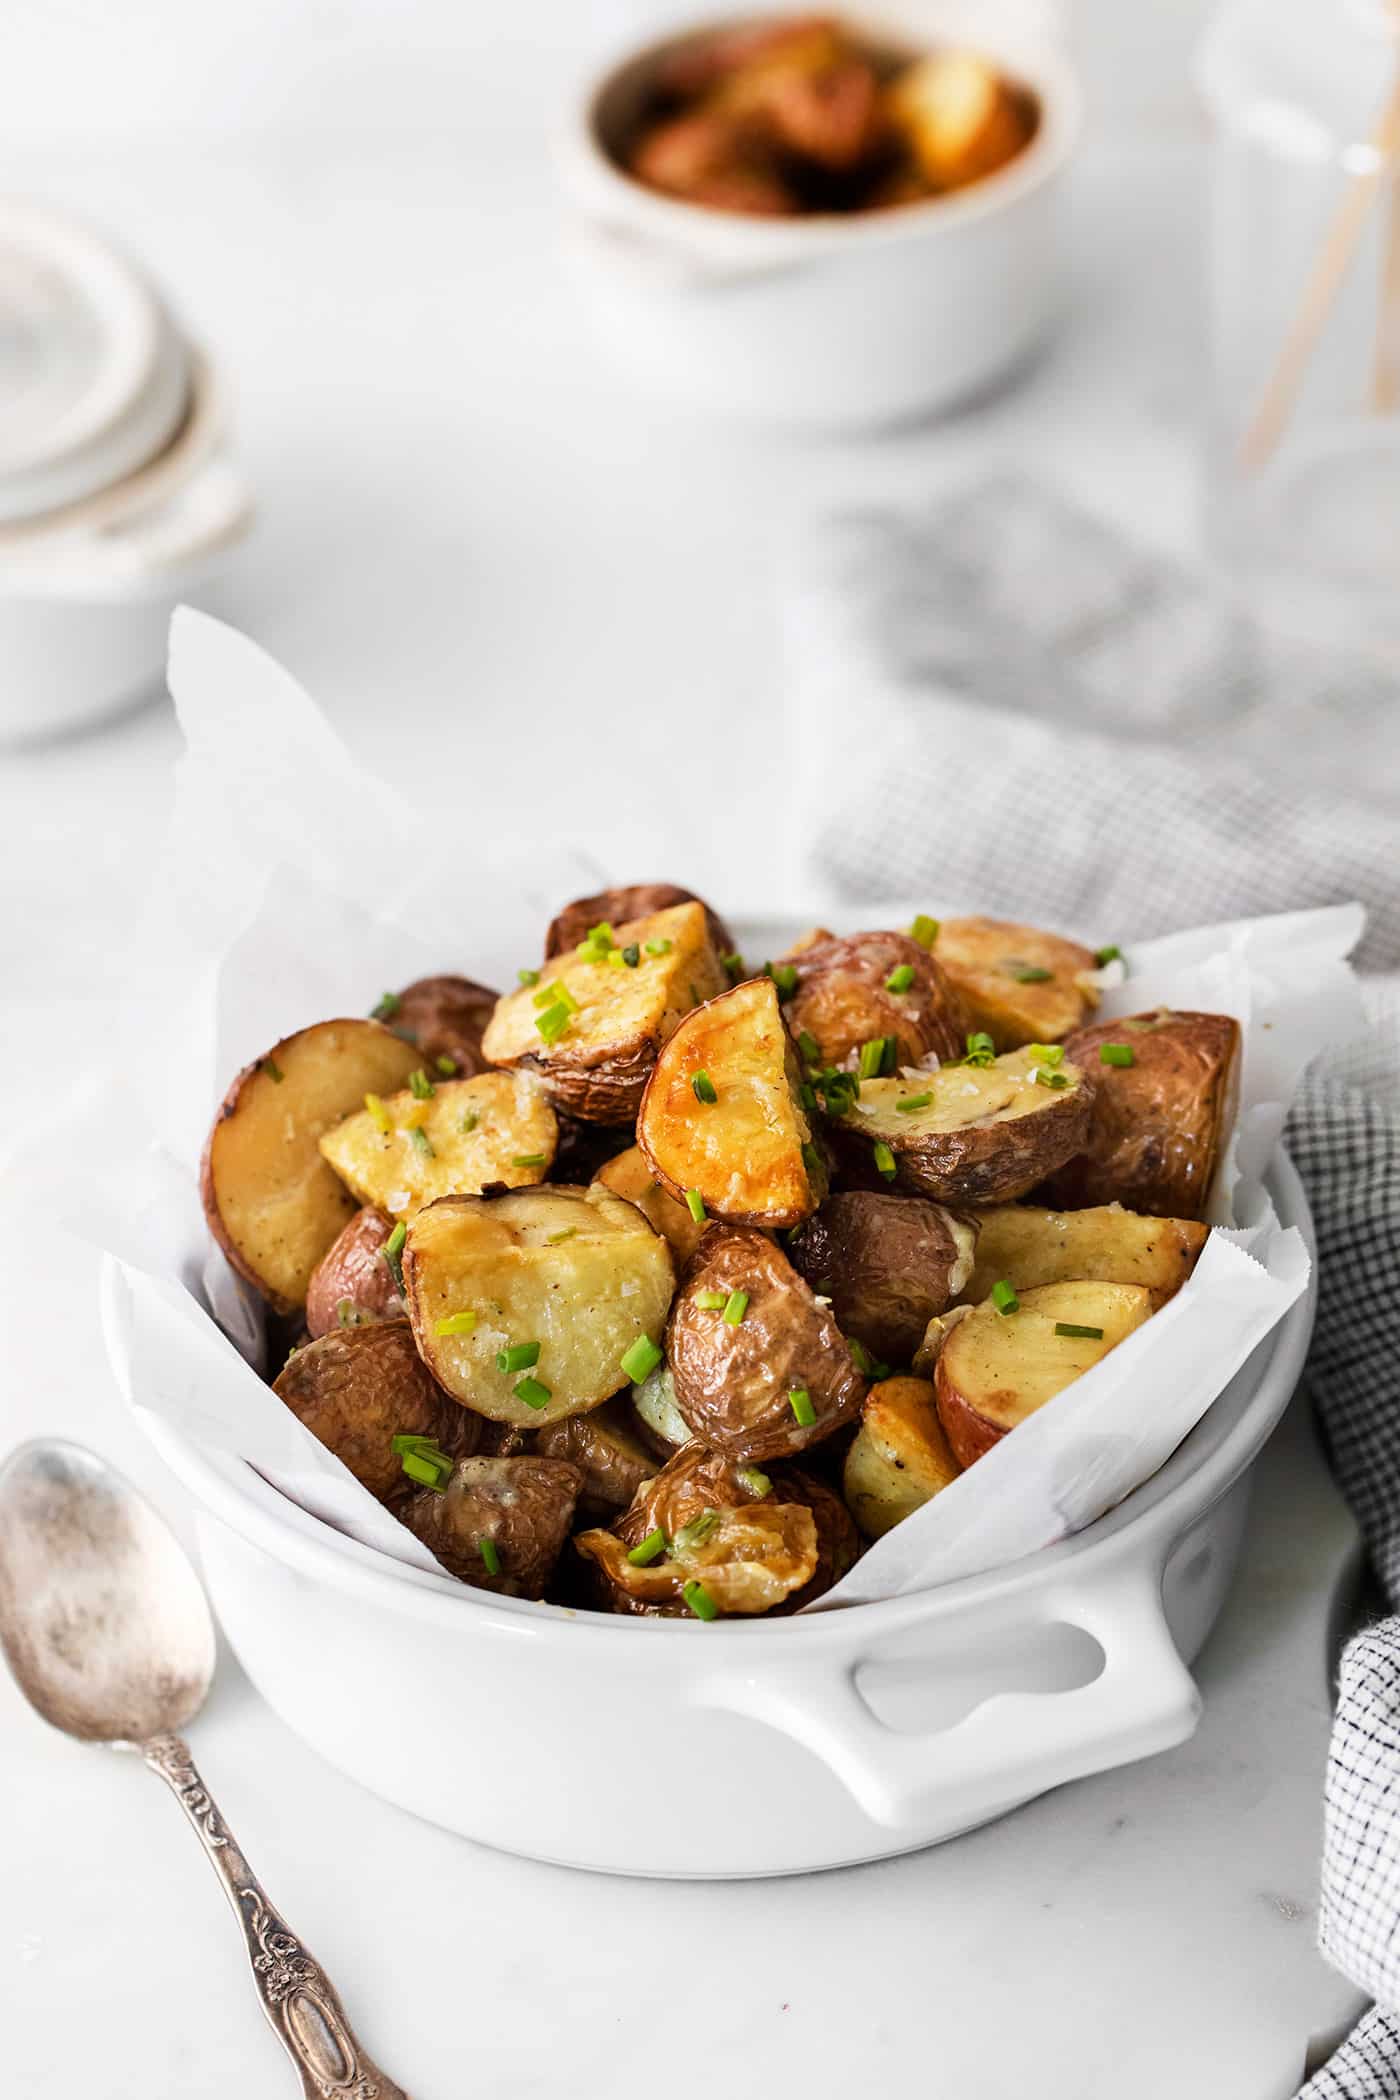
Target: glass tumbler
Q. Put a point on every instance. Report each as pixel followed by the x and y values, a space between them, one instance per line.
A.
pixel 1302 479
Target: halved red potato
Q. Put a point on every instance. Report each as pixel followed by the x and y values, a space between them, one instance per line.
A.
pixel 358 1388
pixel 577 1274
pixel 593 1026
pixel 994 1368
pixel 1025 1246
pixel 760 1369
pixel 446 1017
pixel 454 1137
pixel 608 1451
pixel 620 907
pixel 749 1155
pixel 1161 1121
pixel 887 1263
pixel 271 1201
pixel 901 1457
pixel 629 1174
pixel 352 1283
pixel 1018 984
pixel 852 990
pixel 973 1133
pixel 500 1523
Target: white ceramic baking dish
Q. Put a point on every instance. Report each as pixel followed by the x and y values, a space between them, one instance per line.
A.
pixel 865 319
pixel 675 1748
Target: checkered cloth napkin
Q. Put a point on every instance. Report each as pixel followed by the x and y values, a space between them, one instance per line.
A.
pixel 1003 700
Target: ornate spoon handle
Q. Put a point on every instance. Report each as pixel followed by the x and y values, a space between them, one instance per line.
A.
pixel 301 2005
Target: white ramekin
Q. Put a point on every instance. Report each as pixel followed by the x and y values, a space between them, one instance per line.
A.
pixel 863 320
pixel 660 1747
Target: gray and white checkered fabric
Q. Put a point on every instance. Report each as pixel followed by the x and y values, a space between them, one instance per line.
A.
pixel 1003 701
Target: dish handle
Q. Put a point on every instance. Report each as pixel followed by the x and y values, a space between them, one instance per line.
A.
pixel 1013 1745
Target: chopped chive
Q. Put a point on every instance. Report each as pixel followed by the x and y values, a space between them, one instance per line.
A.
pixel 1116 1054
pixel 981 1050
pixel 756 1481
pixel 1112 953
pixel 695 1204
pixel 528 976
pixel 599 936
pixel 784 976
pixel 631 955
pixel 532 1392
pixel 490 1558
pixel 407 1442
pixel 710 1301
pixel 557 1239
pixel 807 1095
pixel 910 1102
pixel 733 966
pixel 430 1469
pixel 552 1022
pixel 638 1362
pixel 1081 1334
pixel 1047 1053
pixel 273 1070
pixel 651 1548
pixel 800 1401
pixel 884 1160
pixel 393 1252
pixel 865 1362
pixel 347 1313
pixel 556 994
pixel 809 1046
pixel 1046 1075
pixel 387 1007
pixel 1004 1297
pixel 924 930
pixel 1025 972
pixel 662 947
pixel 423 1142
pixel 700 1601
pixel 615 959
pixel 703 1088
pixel 448 1066
pixel 697 1530
pixel 735 1306
pixel 455 1323
pixel 871 1054
pixel 420 1086
pixel 813 1161
pixel 519 1356
pixel 900 978
pixel 529 1159
pixel 377 1112
pixel 468 1121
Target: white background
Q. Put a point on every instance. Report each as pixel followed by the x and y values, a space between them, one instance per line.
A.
pixel 518 590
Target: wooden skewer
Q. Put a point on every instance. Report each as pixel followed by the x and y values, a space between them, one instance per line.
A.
pixel 1271 417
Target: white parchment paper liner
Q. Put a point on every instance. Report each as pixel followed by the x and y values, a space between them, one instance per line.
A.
pixel 295 887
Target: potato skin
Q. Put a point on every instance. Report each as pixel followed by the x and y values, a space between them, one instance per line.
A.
pixel 976 953
pixel 446 1017
pixel 843 999
pixel 1160 1124
pixel 888 1264
pixel 732 1382
pixel 358 1388
pixel 608 1452
pixel 525 1506
pixel 1015 1130
pixel 616 907
pixel 354 1273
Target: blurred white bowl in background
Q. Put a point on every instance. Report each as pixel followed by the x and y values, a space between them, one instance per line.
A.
pixel 866 318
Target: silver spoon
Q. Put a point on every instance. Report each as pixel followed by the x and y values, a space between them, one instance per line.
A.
pixel 108 1633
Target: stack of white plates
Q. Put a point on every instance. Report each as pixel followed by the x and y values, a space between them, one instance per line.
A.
pixel 117 492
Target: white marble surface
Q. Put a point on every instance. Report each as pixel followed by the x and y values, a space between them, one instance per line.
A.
pixel 517 590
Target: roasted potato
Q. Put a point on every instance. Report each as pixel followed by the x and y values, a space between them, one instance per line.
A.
pixel 1161 1122
pixel 722 1526
pixel 972 1133
pixel 607 1450
pixel 446 1018
pixel 887 1263
pixel 1025 1246
pixel 620 907
pixel 593 1027
pixel 839 1543
pixel 996 1368
pixel 654 1404
pixel 452 1137
pixel 901 1457
pixel 353 1283
pixel 760 1370
pixel 524 1508
pixel 1017 984
pixel 576 1274
pixel 957 118
pixel 845 999
pixel 271 1201
pixel 584 1149
pixel 630 1175
pixel 358 1388
pixel 748 1155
